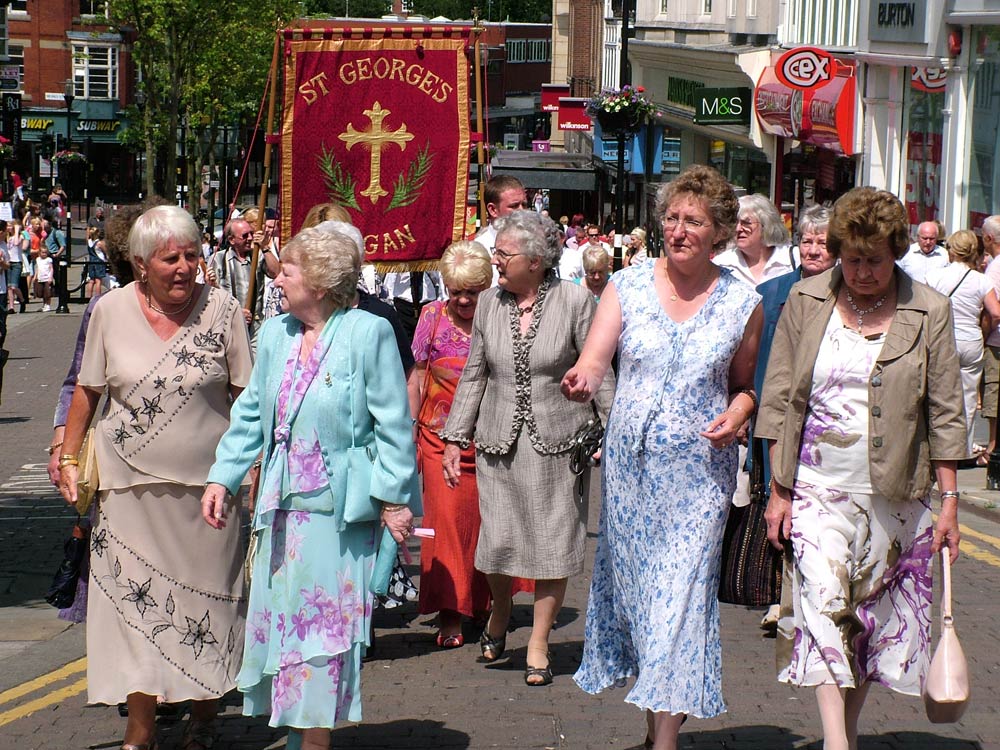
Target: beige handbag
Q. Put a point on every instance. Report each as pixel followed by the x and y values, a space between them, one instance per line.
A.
pixel 87 482
pixel 946 689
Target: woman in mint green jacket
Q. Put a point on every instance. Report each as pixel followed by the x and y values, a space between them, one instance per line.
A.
pixel 327 408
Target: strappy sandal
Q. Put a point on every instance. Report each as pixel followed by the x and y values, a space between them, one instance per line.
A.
pixel 492 648
pixel 544 672
pixel 450 641
pixel 198 735
pixel 151 745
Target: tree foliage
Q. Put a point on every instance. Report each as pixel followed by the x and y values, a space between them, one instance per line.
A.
pixel 202 65
pixel 530 11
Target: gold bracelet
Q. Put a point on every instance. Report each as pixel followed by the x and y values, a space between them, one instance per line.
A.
pixel 68 461
pixel 393 507
pixel 53 448
pixel 68 455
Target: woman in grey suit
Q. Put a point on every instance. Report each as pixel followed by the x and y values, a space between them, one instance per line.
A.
pixel 526 334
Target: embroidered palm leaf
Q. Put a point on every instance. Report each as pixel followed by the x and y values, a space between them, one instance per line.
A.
pixel 410 183
pixel 339 185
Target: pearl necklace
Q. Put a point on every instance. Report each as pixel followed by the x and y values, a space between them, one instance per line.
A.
pixel 182 308
pixel 862 313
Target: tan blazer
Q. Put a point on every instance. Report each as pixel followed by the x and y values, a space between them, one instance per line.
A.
pixel 915 408
pixel 485 404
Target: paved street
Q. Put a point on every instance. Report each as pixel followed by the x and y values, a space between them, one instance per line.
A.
pixel 417 696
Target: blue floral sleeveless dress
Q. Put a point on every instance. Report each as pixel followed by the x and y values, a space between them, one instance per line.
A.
pixel 653 611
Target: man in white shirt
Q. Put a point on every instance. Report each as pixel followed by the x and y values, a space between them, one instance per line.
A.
pixel 924 254
pixel 503 195
pixel 571 263
pixel 991 357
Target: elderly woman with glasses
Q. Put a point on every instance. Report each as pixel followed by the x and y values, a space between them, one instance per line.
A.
pixel 526 333
pixel 596 268
pixel 761 247
pixel 686 332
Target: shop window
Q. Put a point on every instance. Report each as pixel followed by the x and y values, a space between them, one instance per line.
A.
pixel 538 50
pixel 984 167
pixel 664 6
pixel 924 117
pixel 18 6
pixel 95 71
pixel 751 8
pixel 15 53
pixel 731 9
pixel 516 50
pixel 707 7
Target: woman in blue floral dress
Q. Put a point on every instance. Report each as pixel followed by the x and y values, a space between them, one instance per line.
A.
pixel 687 334
pixel 327 383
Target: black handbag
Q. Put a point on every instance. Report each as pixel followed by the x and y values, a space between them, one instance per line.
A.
pixel 751 566
pixel 62 592
pixel 585 444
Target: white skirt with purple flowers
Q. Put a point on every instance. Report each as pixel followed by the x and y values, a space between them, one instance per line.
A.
pixel 856 598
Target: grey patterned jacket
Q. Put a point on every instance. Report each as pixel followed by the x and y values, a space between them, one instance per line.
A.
pixel 493 403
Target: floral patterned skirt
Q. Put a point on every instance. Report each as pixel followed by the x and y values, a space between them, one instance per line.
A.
pixel 308 621
pixel 856 598
pixel 165 611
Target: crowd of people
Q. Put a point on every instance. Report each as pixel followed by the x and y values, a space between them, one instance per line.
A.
pixel 355 400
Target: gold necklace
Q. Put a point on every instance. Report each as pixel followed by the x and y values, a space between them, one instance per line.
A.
pixel 182 308
pixel 673 297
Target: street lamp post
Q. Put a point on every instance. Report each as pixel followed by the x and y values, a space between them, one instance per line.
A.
pixel 67 253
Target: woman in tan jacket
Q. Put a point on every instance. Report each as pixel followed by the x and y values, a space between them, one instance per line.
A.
pixel 862 402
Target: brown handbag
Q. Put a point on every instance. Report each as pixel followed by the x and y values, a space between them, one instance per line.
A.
pixel 946 688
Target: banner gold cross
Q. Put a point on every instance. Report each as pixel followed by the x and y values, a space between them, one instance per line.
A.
pixel 374 139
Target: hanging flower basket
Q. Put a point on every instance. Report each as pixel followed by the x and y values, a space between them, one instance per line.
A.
pixel 69 157
pixel 621 110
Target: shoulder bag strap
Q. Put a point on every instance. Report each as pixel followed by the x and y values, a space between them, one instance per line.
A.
pixel 959 282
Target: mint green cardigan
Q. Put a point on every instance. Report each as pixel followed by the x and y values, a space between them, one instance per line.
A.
pixel 359 392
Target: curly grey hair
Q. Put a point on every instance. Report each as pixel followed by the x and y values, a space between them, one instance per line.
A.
pixel 329 262
pixel 537 236
pixel 705 184
pixel 773 231
pixel 814 219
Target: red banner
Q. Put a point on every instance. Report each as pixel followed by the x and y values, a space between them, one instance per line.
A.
pixel 380 126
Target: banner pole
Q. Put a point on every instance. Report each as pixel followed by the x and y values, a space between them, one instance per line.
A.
pixel 477 29
pixel 262 203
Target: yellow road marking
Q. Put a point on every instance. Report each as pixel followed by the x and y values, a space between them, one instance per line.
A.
pixel 966 531
pixel 979 554
pixel 43 702
pixel 46 679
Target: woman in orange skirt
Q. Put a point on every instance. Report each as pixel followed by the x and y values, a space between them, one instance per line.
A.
pixel 449 582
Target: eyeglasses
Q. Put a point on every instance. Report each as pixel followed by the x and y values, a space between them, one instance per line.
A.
pixel 503 255
pixel 670 223
pixel 247 235
pixel 747 224
pixel 593 236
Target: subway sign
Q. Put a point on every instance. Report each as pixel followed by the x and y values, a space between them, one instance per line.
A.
pixel 729 106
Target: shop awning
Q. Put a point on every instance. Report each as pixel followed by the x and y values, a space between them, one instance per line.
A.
pixel 552 171
pixel 823 116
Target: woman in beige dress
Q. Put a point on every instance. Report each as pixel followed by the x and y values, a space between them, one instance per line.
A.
pixel 166 609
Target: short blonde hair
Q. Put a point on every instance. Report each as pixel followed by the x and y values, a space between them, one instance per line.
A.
pixel 329 263
pixel 641 234
pixel 466 265
pixel 594 257
pixel 963 247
